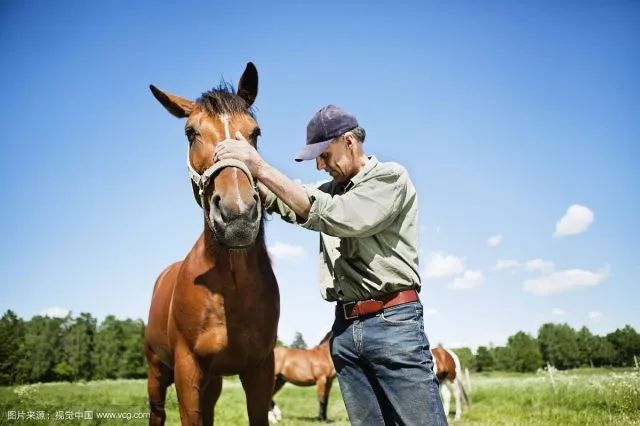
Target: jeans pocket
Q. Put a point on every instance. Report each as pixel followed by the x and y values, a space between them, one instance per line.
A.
pixel 401 314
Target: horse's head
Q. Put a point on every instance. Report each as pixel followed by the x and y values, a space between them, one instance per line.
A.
pixel 225 190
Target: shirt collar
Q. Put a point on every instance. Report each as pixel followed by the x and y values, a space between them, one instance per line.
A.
pixel 368 166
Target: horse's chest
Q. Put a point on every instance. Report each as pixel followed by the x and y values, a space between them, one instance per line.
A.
pixel 224 335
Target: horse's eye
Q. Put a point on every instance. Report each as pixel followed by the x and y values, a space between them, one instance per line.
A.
pixel 254 135
pixel 191 135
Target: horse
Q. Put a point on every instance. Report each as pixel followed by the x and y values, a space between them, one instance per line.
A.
pixel 305 367
pixel 216 312
pixel 446 366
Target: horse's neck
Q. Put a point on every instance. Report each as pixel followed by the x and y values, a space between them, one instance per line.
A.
pixel 322 346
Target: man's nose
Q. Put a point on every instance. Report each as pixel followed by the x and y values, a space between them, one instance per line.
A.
pixel 320 163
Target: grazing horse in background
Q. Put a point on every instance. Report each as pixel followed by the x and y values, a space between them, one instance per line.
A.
pixel 446 366
pixel 305 367
pixel 216 312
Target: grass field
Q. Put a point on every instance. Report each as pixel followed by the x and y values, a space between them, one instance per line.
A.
pixel 581 397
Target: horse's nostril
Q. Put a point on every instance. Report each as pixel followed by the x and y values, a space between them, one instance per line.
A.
pixel 215 201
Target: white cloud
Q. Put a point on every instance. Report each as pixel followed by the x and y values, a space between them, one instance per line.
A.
pixel 506 264
pixel 558 312
pixel 563 281
pixel 595 315
pixel 283 251
pixel 577 219
pixel 441 264
pixel 540 265
pixel 54 312
pixel 469 279
pixel 494 241
pixel 431 312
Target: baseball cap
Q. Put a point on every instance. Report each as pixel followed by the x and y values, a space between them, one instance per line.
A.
pixel 328 123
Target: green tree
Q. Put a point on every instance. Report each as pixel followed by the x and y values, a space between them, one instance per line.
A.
pixel 466 357
pixel 604 354
pixel 109 347
pixel 586 346
pixel 525 354
pixel 78 345
pixel 133 362
pixel 11 339
pixel 559 345
pixel 484 359
pixel 298 341
pixel 503 358
pixel 40 351
pixel 626 342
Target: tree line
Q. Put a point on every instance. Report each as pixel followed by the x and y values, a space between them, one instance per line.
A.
pixel 45 349
pixel 558 345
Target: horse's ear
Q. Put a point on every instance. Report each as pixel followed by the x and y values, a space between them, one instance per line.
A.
pixel 248 86
pixel 180 107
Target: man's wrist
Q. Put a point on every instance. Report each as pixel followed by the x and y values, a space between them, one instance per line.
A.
pixel 261 169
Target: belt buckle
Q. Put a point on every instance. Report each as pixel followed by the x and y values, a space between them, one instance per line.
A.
pixel 344 310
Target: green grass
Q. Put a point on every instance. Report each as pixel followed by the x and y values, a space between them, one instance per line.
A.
pixel 581 397
pixel 299 405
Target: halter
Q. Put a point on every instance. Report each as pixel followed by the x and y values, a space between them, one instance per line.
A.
pixel 202 180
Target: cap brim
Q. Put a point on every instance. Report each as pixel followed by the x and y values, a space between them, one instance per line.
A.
pixel 310 152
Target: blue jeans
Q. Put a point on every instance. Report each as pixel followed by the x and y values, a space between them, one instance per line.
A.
pixel 385 369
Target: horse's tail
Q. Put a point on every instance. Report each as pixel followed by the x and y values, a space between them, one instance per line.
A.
pixel 464 392
pixel 459 381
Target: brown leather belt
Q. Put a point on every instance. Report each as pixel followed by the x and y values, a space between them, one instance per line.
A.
pixel 352 310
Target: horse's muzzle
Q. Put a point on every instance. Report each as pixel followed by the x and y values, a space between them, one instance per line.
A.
pixel 234 227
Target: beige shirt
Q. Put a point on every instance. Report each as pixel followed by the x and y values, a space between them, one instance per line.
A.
pixel 368 232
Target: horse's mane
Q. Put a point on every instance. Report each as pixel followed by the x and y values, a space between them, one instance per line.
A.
pixel 326 337
pixel 224 100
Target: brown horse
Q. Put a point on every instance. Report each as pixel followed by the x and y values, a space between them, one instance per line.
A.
pixel 216 312
pixel 446 366
pixel 305 368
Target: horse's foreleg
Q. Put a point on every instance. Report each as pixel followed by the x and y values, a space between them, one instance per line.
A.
pixel 278 384
pixel 323 387
pixel 159 378
pixel 457 395
pixel 258 387
pixel 208 399
pixel 275 414
pixel 446 396
pixel 188 378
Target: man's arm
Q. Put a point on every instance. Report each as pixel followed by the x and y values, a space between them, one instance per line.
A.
pixel 291 193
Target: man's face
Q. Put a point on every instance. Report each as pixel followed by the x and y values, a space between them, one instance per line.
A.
pixel 337 160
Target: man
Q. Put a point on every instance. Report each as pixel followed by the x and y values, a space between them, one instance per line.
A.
pixel 367 217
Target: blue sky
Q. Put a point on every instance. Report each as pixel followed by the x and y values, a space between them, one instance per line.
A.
pixel 505 115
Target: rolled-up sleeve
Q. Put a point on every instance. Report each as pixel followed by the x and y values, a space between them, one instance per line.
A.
pixel 272 204
pixel 364 210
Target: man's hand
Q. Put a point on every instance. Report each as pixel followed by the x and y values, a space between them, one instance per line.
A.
pixel 290 192
pixel 242 150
